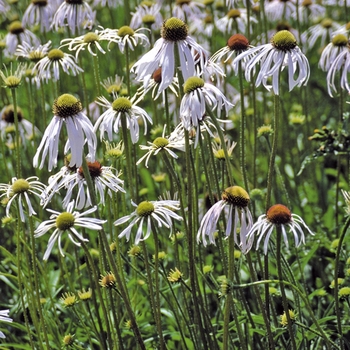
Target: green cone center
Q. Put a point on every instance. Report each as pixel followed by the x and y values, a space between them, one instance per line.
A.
pixel 174 29
pixel 192 84
pixel 284 40
pixel 66 106
pixel 145 208
pixel 65 221
pixel 236 196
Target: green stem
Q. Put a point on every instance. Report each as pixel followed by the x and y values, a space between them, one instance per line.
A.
pixel 98 290
pixel 36 282
pixel 20 281
pixel 97 75
pixel 336 284
pixel 264 311
pixel 303 297
pixel 273 151
pixel 105 245
pixel 156 277
pixel 128 156
pixel 127 70
pixel 283 292
pixel 242 128
pixel 230 305
pixel 223 144
pixel 18 148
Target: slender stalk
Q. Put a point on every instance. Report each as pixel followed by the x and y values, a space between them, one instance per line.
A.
pixel 127 70
pixel 105 245
pixel 18 148
pixel 336 284
pixel 271 170
pixel 36 282
pixel 223 143
pixel 156 277
pixel 263 309
pixel 97 75
pixel 230 305
pixel 242 128
pixel 302 296
pixel 283 292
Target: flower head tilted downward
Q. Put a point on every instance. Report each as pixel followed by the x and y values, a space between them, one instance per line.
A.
pixel 199 96
pixel 67 222
pixel 105 180
pixel 278 216
pixel 67 109
pixel 280 53
pixel 174 32
pixel 236 199
pixel 160 212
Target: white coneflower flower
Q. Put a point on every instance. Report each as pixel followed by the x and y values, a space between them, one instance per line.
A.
pixel 188 10
pixel 104 179
pixel 235 18
pixel 49 66
pixel 276 9
pixel 282 52
pixel 278 215
pixel 341 63
pixel 199 96
pixel 162 144
pixel 20 190
pixel 74 14
pixel 126 36
pixel 159 212
pixel 39 12
pixel 67 109
pixel 90 40
pixel 122 107
pixel 147 14
pixel 236 44
pixel 174 32
pixel 33 53
pixel 321 31
pixel 236 199
pixel 66 222
pixel 338 44
pixel 4 317
pixel 17 35
pixel 7 123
